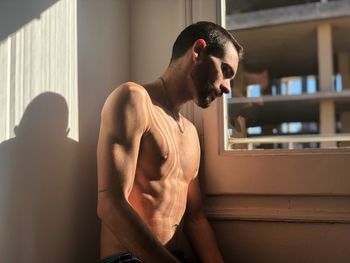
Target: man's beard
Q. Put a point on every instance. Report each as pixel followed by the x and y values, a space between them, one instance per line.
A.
pixel 205 96
pixel 204 102
pixel 205 89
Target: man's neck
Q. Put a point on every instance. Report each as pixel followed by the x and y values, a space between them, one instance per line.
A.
pixel 175 81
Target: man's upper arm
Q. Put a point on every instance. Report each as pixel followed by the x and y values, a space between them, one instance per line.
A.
pixel 123 122
pixel 194 208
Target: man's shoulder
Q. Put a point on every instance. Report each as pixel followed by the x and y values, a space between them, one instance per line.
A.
pixel 128 103
pixel 132 90
pixel 127 94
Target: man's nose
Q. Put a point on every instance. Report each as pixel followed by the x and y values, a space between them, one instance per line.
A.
pixel 225 87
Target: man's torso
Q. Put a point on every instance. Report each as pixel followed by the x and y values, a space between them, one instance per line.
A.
pixel 168 160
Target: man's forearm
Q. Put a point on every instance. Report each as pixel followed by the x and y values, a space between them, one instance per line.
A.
pixel 130 230
pixel 203 240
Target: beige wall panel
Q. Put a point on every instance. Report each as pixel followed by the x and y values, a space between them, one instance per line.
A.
pixel 155 25
pixel 103 64
pixel 274 242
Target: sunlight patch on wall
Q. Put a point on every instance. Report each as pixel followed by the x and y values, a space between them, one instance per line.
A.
pixel 41 56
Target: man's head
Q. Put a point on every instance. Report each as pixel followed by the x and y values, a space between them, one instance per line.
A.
pixel 215 54
pixel 215 36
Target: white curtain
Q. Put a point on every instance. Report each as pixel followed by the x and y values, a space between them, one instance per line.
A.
pixel 40 56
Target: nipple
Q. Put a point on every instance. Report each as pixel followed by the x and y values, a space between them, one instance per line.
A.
pixel 164 157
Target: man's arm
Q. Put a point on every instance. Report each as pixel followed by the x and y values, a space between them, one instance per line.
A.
pixel 124 120
pixel 198 229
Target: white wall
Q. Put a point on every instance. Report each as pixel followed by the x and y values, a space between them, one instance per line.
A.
pixel 154 27
pixel 276 242
pixel 38 91
pixel 36 56
pixel 103 64
pixel 48 181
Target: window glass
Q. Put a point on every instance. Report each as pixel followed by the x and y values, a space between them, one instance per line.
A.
pixel 279 99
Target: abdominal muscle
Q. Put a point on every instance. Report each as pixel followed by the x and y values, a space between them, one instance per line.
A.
pixel 161 213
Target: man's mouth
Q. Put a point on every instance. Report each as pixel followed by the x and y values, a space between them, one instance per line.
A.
pixel 214 94
pixel 211 95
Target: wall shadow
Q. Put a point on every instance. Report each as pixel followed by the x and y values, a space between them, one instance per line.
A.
pixel 14 14
pixel 47 205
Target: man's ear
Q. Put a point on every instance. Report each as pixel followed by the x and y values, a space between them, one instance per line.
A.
pixel 198 47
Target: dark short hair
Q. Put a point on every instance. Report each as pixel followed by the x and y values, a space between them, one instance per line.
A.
pixel 214 35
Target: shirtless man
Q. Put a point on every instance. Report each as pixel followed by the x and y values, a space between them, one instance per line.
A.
pixel 148 153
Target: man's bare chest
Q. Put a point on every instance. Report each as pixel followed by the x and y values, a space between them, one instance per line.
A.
pixel 165 150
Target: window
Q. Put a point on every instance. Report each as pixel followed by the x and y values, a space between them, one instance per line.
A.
pixel 292 90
